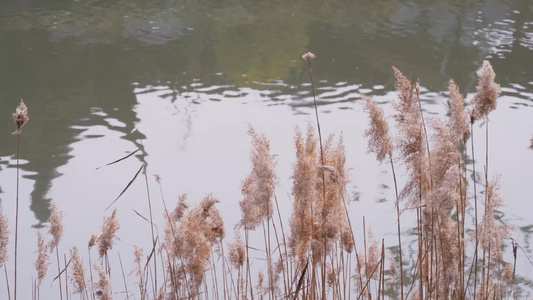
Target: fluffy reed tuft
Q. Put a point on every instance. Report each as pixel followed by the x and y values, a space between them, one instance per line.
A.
pixel 411 141
pixel 20 117
pixel 189 240
pixel 78 272
pixel 492 233
pixel 237 252
pixel 305 180
pixel 41 264
pixel 56 226
pixel 4 237
pixel 379 140
pixel 258 188
pixel 487 92
pixel 308 56
pixel 107 236
pixel 459 119
pixel 103 286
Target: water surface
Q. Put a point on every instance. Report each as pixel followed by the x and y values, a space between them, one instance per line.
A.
pixel 192 75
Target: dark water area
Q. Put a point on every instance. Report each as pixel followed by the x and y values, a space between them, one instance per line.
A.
pixel 191 76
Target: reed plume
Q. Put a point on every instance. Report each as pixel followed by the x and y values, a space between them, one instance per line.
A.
pixel 459 117
pixel 41 264
pixel 4 237
pixel 487 92
pixel 411 141
pixel 103 286
pixel 78 274
pixel 330 217
pixel 20 117
pixel 305 179
pixel 379 140
pixel 108 234
pixel 56 226
pixel 492 233
pixel 258 188
pixel 190 247
pixel 237 252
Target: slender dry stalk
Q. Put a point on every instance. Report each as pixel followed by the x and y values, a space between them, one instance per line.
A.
pixel 20 117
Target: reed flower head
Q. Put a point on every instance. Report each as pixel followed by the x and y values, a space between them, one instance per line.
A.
pixel 41 264
pixel 93 240
pixel 305 180
pixel 78 272
pixel 212 220
pixel 237 252
pixel 531 146
pixel 308 56
pixel 56 226
pixel 493 233
pixel 258 188
pixel 4 237
pixel 181 207
pixel 20 117
pixel 411 139
pixel 379 140
pixel 459 119
pixel 488 92
pixel 103 286
pixel 108 234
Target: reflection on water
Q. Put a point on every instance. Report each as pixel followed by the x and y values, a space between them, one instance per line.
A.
pixel 189 73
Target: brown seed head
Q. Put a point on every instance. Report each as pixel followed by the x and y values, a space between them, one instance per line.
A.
pixel 103 286
pixel 41 264
pixel 488 92
pixel 20 117
pixel 308 56
pixel 56 226
pixel 78 272
pixel 379 140
pixel 459 119
pixel 108 233
pixel 237 252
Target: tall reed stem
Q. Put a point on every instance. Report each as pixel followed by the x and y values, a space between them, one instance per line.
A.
pixel 309 56
pixel 17 218
pixel 399 226
pixel 475 208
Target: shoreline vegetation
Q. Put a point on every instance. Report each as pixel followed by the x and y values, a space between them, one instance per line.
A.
pixel 458 240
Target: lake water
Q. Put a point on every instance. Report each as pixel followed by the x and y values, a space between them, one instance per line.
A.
pixel 191 76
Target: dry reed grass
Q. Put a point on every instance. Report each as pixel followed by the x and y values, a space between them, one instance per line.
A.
pixel 315 261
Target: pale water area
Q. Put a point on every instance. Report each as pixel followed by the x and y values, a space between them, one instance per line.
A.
pixel 191 76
